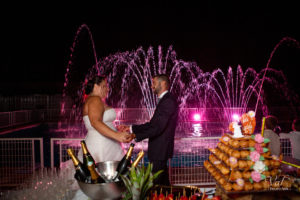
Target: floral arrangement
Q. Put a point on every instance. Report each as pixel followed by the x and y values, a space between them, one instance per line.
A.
pixel 139 182
pixel 257 158
pixel 248 123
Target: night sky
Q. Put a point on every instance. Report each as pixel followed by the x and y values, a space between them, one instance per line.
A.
pixel 36 39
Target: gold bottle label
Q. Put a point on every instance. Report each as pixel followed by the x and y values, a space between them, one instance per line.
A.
pixel 73 157
pixel 137 160
pixel 84 148
pixel 129 152
pixel 94 174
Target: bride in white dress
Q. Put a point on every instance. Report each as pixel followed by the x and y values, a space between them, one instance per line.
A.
pixel 103 140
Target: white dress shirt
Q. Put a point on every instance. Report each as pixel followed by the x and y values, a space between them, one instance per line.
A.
pixel 159 98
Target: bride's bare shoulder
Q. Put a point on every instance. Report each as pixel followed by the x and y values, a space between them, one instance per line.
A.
pixel 92 101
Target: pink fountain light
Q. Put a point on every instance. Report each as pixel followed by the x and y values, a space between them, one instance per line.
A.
pixel 235 117
pixel 197 117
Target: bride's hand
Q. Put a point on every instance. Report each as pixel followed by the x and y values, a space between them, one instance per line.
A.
pixel 123 128
pixel 124 137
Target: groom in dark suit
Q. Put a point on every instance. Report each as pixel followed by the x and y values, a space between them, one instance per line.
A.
pixel 160 129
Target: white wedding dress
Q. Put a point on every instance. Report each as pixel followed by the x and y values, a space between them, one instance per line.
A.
pixel 100 147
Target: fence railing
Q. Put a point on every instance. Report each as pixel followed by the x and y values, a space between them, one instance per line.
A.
pixel 19 158
pixel 59 146
pixel 185 168
pixel 14 118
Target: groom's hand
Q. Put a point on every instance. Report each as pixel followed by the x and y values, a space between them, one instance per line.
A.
pixel 133 136
pixel 125 137
pixel 123 128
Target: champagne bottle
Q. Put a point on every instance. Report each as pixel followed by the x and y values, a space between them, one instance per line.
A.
pixel 81 172
pixel 125 163
pixel 138 159
pixel 135 163
pixel 95 178
pixel 87 157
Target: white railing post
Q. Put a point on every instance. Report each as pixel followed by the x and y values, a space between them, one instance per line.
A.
pixel 42 152
pixel 60 152
pixel 33 156
pixel 18 155
pixel 52 152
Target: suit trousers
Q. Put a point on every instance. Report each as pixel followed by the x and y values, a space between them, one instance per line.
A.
pixel 163 178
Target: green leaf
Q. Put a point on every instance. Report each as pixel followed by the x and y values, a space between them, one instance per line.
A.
pixel 146 189
pixel 251 180
pixel 126 182
pixel 136 184
pixel 143 169
pixel 261 158
pixel 127 196
pixel 266 140
pixel 140 181
pixel 133 174
pixel 157 174
pixel 148 171
pixel 138 172
pixel 143 189
pixel 135 192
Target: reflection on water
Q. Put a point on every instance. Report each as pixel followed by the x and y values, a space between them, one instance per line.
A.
pixel 197 129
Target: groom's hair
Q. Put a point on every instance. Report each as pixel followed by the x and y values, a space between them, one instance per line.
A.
pixel 163 77
pixel 90 84
pixel 271 122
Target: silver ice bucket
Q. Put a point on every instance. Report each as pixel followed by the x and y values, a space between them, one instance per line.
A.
pixel 111 190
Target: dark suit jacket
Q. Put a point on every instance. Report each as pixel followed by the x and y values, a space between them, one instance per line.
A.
pixel 160 130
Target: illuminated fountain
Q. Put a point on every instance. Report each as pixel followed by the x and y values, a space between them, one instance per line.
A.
pixel 214 96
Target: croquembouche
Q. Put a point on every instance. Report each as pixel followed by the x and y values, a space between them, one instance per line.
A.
pixel 242 160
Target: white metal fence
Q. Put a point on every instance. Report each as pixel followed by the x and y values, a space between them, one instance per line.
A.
pixel 59 148
pixel 186 166
pixel 19 158
pixel 31 102
pixel 14 118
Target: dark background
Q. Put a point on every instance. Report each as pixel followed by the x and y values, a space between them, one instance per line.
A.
pixel 36 39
